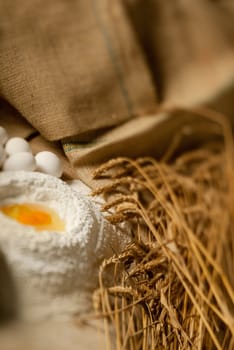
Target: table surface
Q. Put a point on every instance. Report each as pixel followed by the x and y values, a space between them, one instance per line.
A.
pixel 51 335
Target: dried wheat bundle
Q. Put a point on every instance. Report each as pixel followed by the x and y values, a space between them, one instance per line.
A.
pixel 173 285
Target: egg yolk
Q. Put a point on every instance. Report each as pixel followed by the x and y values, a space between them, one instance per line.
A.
pixel 38 216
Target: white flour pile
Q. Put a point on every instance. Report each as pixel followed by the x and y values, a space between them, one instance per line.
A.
pixel 54 272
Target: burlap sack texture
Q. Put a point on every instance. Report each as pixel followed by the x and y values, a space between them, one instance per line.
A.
pixel 70 67
pixel 75 70
pixel 189 45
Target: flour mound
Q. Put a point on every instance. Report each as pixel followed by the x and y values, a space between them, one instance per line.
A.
pixel 54 272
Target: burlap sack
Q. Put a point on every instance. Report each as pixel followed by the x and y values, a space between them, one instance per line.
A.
pixel 90 50
pixel 71 67
pixel 189 45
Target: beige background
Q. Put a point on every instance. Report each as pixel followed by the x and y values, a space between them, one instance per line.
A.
pixel 51 335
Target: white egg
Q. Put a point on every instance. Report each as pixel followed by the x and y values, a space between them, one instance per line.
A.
pixel 20 161
pixel 16 145
pixel 3 136
pixel 2 155
pixel 48 163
